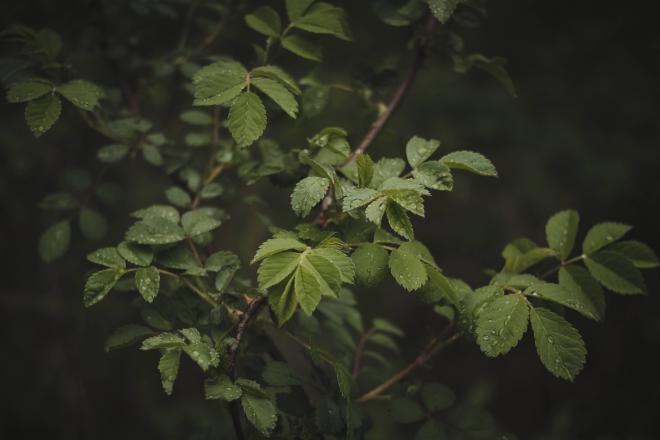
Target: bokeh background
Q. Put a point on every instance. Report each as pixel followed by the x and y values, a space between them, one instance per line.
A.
pixel 583 134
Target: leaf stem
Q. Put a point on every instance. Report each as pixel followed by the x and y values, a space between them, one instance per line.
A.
pixel 563 264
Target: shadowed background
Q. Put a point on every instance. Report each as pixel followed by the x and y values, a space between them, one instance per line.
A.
pixel 582 134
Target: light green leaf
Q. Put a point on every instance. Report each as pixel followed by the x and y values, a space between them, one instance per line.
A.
pixel 198 222
pixel 163 341
pixel 470 161
pixel 28 89
pixel 308 193
pixel 578 279
pixel 501 324
pixel 136 254
pixel 41 113
pixel 602 234
pixel 439 288
pixel 260 411
pixel 302 47
pixel 178 197
pixel 340 260
pixel 438 397
pixel 308 289
pixel 419 149
pixel 276 268
pixel 573 298
pixel 283 301
pixel 203 355
pixel 265 20
pixel 247 119
pixel 81 93
pixel 155 230
pixel 276 245
pixel 55 241
pixel 370 264
pixel 279 93
pixel 168 365
pixel 221 387
pixel 358 197
pixel 296 8
pixel 126 336
pixel 558 344
pixel 560 232
pixel 162 211
pixel 407 269
pixel 616 273
pixel 399 221
pixel 376 209
pixel 443 9
pixel 406 410
pixel 365 168
pixel 99 284
pixel 147 280
pixel 410 200
pixel 108 257
pixel 434 175
pixel 640 254
pixel 278 74
pixel 219 83
pixel 521 262
pixel 323 18
pixel 386 168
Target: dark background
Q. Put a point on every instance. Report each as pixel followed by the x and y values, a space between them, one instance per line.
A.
pixel 582 134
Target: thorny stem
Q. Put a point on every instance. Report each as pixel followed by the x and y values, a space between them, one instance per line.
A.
pixel 434 347
pixel 383 117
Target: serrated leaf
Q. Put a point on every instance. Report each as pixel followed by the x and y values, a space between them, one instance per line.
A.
pixel 308 193
pixel 278 93
pixel 572 298
pixel 276 245
pixel 370 264
pixel 358 197
pixel 386 168
pixel 470 161
pixel 92 223
pixel 438 288
pixel 221 387
pixel 163 341
pixel 560 232
pixel 108 257
pixel 438 397
pixel 41 113
pixel 55 241
pixel 365 169
pixel 640 254
pixel 602 234
pixel 147 280
pixel 409 200
pixel 278 74
pixel 162 211
pixel 558 344
pixel 524 261
pixel 168 365
pixel 376 209
pixel 406 410
pixel 265 20
pixel 247 119
pixel 615 272
pixel 81 93
pixel 307 289
pixel 219 83
pixel 198 222
pixel 203 355
pixel 126 336
pixel 260 412
pixel 407 269
pixel 575 278
pixel 340 260
pixel 501 324
pixel 399 221
pixel 99 284
pixel 434 175
pixel 28 89
pixel 155 230
pixel 136 254
pixel 283 301
pixel 443 9
pixel 302 47
pixel 419 149
pixel 296 8
pixel 323 18
pixel 274 269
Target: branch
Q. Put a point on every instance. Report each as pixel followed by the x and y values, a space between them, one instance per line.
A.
pixel 434 347
pixel 381 120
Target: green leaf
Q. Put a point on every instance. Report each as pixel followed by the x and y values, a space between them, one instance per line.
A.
pixel 265 20
pixel 470 161
pixel 112 153
pixel 247 119
pixel 55 241
pixel 386 168
pixel 283 301
pixel 560 232
pixel 419 149
pixel 28 89
pixel 343 379
pixel 438 397
pixel 370 264
pixel 308 193
pixel 276 245
pixel 81 93
pixel 602 234
pixel 59 201
pixel 221 387
pixel 501 324
pixel 126 336
pixel 41 113
pixel 198 222
pixel 387 327
pixel 407 269
pixel 365 168
pixel 162 341
pixel 523 261
pixel 161 211
pixel 261 412
pixel 434 175
pixel 495 67
pixel 196 117
pixel 397 13
pixel 279 374
pixel 432 430
pixel 296 8
pixel 136 254
pixel 615 272
pixel 155 230
pixel 168 365
pixel 219 83
pixel 406 410
pixel 178 197
pixel 278 93
pixel 578 279
pixel 108 257
pixel 376 209
pixel 307 289
pixel 203 355
pixel 438 288
pixel 147 280
pixel 358 197
pixel 276 268
pixel 399 221
pixel 575 299
pixel 99 284
pixel 323 18
pixel 558 344
pixel 302 47
pixel 340 260
pixel 640 254
pixel 93 224
pixel 278 74
pixel 443 9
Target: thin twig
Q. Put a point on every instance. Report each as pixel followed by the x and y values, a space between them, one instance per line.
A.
pixel 359 351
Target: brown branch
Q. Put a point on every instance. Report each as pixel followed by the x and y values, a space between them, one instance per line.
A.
pixel 384 116
pixel 434 347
